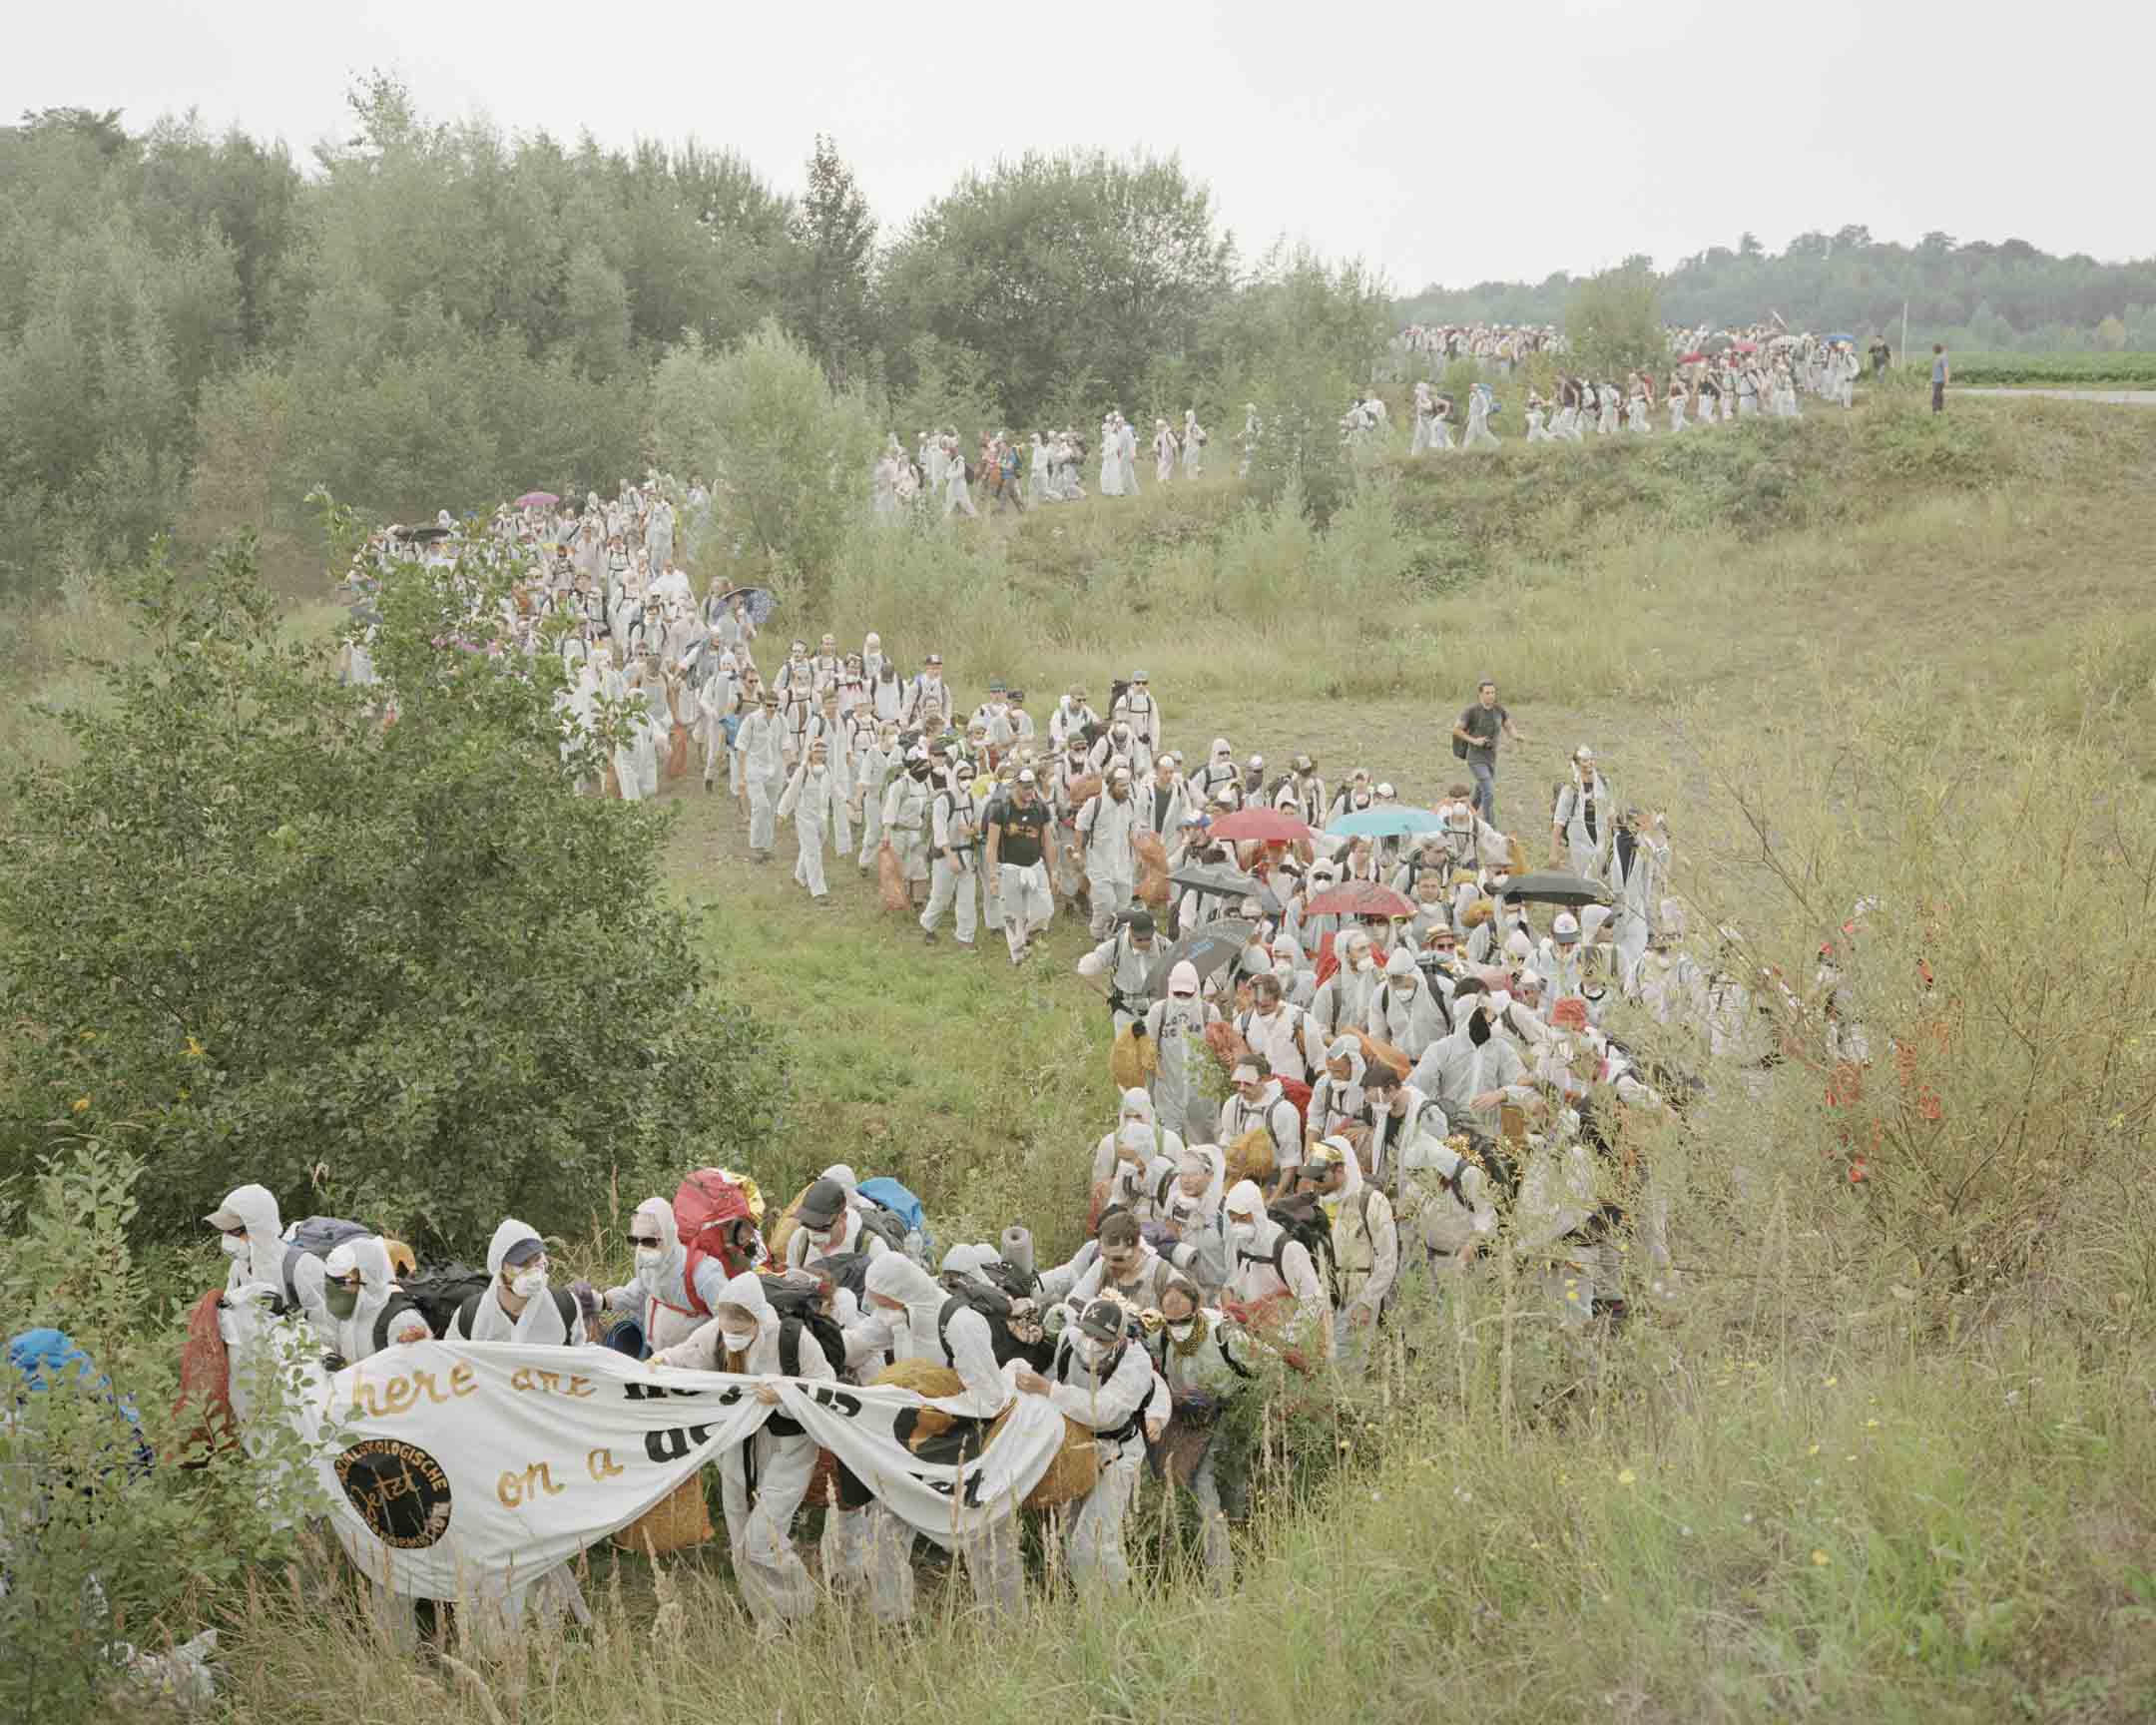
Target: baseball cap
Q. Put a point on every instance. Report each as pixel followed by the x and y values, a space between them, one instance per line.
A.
pixel 1025 776
pixel 1103 1321
pixel 524 1251
pixel 821 1204
pixel 1565 929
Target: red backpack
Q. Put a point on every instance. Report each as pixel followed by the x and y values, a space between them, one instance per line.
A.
pixel 704 1210
pixel 1298 1092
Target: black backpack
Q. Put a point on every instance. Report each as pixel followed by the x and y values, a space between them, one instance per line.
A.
pixel 443 1292
pixel 799 1305
pixel 1301 1221
pixel 396 1307
pixel 998 1309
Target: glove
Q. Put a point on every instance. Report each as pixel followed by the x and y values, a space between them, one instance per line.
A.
pixel 587 1300
pixel 1136 1025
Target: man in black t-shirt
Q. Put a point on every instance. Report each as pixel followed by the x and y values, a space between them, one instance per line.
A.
pixel 1018 864
pixel 1475 740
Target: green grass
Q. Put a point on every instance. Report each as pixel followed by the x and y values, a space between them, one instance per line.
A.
pixel 1805 1491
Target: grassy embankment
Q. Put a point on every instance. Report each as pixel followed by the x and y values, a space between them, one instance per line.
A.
pixel 1805 1489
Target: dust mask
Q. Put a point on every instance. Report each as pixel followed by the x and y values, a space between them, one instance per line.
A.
pixel 529 1283
pixel 234 1246
pixel 737 1341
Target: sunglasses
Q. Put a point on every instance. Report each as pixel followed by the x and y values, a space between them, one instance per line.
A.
pixel 651 1240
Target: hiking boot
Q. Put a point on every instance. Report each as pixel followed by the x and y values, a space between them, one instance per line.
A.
pixel 928 937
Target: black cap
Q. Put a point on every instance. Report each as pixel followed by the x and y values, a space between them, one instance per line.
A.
pixel 821 1204
pixel 1103 1321
pixel 1141 922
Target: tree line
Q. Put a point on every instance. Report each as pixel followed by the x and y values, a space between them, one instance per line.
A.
pixel 1974 294
pixel 194 331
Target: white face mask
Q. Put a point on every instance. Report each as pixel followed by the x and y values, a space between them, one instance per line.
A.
pixel 234 1246
pixel 1089 1350
pixel 737 1341
pixel 648 1260
pixel 1241 1233
pixel 1183 1332
pixel 529 1283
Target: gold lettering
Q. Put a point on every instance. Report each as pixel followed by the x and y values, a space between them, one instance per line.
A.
pixel 510 1489
pixel 399 1395
pixel 460 1380
pixel 513 1488
pixel 544 1471
pixel 580 1388
pixel 521 1378
pixel 550 1381
pixel 601 1465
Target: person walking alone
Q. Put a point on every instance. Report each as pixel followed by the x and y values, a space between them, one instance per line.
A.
pixel 1942 375
pixel 1475 740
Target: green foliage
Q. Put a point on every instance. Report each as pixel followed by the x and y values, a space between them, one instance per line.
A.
pixel 1053 268
pixel 400 972
pixel 788 454
pixel 834 235
pixel 97 1554
pixel 1613 323
pixel 2111 370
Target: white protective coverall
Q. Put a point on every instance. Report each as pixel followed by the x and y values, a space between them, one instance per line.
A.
pixel 1106 1387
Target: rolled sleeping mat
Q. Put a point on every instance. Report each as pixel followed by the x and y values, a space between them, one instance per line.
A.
pixel 1018 1247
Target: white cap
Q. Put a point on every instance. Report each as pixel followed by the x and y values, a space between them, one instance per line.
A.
pixel 1565 929
pixel 1183 979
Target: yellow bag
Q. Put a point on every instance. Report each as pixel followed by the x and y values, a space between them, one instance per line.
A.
pixel 677 1522
pixel 786 1227
pixel 1250 1157
pixel 1132 1060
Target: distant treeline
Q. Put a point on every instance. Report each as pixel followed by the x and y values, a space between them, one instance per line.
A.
pixel 1969 293
pixel 195 333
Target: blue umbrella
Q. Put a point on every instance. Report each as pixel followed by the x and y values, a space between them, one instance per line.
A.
pixel 1842 338
pixel 1388 822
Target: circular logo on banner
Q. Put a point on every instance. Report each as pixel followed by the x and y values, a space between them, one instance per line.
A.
pixel 399 1491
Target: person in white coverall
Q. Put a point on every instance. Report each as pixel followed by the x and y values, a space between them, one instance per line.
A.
pixel 519 1305
pixel 812 802
pixel 950 816
pixel 911 1303
pixel 1177 1025
pixel 1107 834
pixel 760 1481
pixel 761 743
pixel 1102 1380
pixel 1474 1071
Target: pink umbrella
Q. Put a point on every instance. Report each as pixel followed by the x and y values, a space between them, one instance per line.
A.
pixel 1269 825
pixel 536 500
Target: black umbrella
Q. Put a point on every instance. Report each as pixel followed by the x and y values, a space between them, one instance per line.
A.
pixel 421 534
pixel 1206 949
pixel 1554 887
pixel 1221 882
pixel 761 602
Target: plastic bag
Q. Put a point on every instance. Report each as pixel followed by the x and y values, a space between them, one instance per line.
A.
pixel 890 881
pixel 1152 870
pixel 1132 1060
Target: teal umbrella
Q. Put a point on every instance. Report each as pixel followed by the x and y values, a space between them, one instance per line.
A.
pixel 1390 821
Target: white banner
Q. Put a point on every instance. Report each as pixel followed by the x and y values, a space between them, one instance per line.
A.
pixel 461 1468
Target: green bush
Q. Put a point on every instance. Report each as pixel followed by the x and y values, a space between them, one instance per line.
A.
pixel 394 971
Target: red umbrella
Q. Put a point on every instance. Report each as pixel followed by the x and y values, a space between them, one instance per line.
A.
pixel 1692 359
pixel 536 500
pixel 1269 825
pixel 1745 346
pixel 1361 899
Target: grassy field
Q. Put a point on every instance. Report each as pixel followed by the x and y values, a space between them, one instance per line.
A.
pixel 2070 370
pixel 1821 1482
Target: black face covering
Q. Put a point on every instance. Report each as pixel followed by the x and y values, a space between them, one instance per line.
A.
pixel 1478 1029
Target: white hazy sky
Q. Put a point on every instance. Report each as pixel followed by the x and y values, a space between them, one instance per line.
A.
pixel 1436 143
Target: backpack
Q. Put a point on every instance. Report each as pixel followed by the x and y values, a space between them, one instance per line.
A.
pixel 799 1301
pixel 396 1307
pixel 847 1270
pixel 894 1199
pixel 1006 1324
pixel 441 1294
pixel 1302 1222
pixel 316 1237
pixel 706 1205
pixel 467 1312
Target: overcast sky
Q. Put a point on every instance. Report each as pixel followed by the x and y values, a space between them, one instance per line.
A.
pixel 1437 143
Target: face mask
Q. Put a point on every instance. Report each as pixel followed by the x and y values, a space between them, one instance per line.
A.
pixel 342 1301
pixel 1183 1331
pixel 1089 1350
pixel 648 1260
pixel 1478 1030
pixel 1241 1234
pixel 737 1341
pixel 529 1283
pixel 234 1246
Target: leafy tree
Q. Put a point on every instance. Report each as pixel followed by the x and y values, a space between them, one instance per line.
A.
pixel 1614 323
pixel 397 970
pixel 834 236
pixel 788 454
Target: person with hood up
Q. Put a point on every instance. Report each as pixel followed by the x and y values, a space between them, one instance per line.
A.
pixel 518 1305
pixel 1270 1275
pixel 1447 1205
pixel 1342 1001
pixel 1405 1009
pixel 1121 746
pixel 1639 859
pixel 251 1238
pixel 365 1309
pixel 1164 445
pixel 1203 1363
pixel 912 1303
pixel 759 742
pixel 660 1296
pixel 1338 1104
pixel 1136 1125
pixel 1177 1026
pixel 1138 708
pixel 830 1226
pixel 762 1480
pixel 874 761
pixel 1560 961
pixel 1107 834
pixel 1219 774
pixel 1580 824
pixel 1104 1380
pixel 1194 1214
pixel 1260 1104
pixel 1474 1071
pixel 1365 1246
pixel 905 816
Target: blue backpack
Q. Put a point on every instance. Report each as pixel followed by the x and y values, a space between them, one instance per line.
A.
pixel 888 1194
